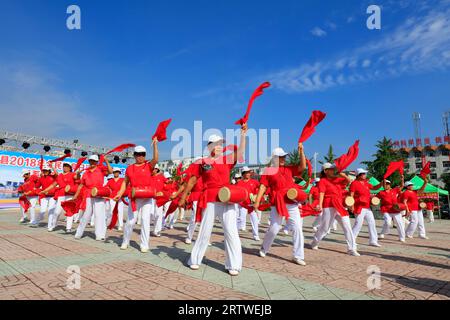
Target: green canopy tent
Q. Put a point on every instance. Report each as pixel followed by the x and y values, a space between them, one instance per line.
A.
pixel 309 187
pixel 418 183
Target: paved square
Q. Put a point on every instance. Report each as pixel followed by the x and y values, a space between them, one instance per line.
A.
pixel 34 262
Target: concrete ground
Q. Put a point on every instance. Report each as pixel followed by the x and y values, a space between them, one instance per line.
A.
pixel 34 265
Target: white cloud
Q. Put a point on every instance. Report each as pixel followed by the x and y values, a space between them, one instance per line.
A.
pixel 420 44
pixel 318 32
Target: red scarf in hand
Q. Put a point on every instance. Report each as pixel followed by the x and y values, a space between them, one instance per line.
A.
pixel 24 203
pixel 394 166
pixel 121 148
pixel 426 170
pixel 310 127
pixel 160 133
pixel 61 158
pixel 345 160
pixel 258 92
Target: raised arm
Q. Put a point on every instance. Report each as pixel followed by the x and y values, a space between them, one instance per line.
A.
pixel 425 182
pixel 301 154
pixel 242 144
pixel 108 165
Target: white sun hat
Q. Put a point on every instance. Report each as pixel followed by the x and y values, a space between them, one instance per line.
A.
pixel 140 149
pixel 215 138
pixel 361 171
pixel 167 175
pixel 279 152
pixel 409 183
pixel 117 169
pixel 246 169
pixel 25 171
pixel 94 157
pixel 328 165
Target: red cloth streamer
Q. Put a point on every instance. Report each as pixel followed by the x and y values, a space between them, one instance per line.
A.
pixel 394 166
pixel 345 160
pixel 309 168
pixel 308 210
pixel 310 127
pixel 258 92
pixel 426 170
pixel 61 158
pixel 160 133
pixel 24 203
pixel 115 215
pixel 172 207
pixel 79 163
pixel 121 148
pixel 71 207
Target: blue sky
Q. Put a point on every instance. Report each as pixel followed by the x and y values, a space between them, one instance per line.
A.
pixel 135 63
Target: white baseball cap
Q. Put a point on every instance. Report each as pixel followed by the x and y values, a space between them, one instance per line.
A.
pixel 279 152
pixel 361 171
pixel 215 138
pixel 246 169
pixel 167 175
pixel 157 167
pixel 409 183
pixel 93 157
pixel 26 171
pixel 117 169
pixel 140 149
pixel 67 164
pixel 237 176
pixel 327 165
pixel 388 181
pixel 316 179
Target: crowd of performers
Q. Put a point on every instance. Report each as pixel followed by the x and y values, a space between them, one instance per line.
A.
pixel 155 199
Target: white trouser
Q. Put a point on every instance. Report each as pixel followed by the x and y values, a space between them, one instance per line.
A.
pixel 254 219
pixel 328 215
pixel 294 223
pixel 227 213
pixel 71 220
pixel 31 209
pixel 158 218
pixel 97 208
pixel 416 221
pixel 366 214
pixel 192 224
pixel 318 219
pixel 53 216
pixel 110 208
pixel 181 213
pixel 242 218
pixel 47 203
pixel 166 220
pixel 92 222
pixel 400 223
pixel 430 214
pixel 146 208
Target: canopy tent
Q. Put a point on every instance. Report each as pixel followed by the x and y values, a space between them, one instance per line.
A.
pixel 302 183
pixel 374 181
pixel 418 183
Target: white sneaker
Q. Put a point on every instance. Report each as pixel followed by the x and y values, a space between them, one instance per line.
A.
pixel 233 272
pixel 124 246
pixel 119 229
pixel 256 238
pixel 209 244
pixel 50 230
pixel 99 239
pixel 194 266
pixel 286 232
pixel 410 237
pixel 77 238
pixel 402 240
pixel 262 254
pixel 23 220
pixel 68 230
pixel 144 250
pixel 315 229
pixel 314 246
pixel 299 261
pixel 375 245
pixel 354 253
pixel 188 241
pixel 424 237
pixel 381 236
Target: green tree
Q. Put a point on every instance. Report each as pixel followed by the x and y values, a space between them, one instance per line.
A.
pixel 293 159
pixel 446 179
pixel 382 158
pixel 329 157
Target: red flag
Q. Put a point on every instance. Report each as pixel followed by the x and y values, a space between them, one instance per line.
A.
pixel 310 127
pixel 346 159
pixel 71 207
pixel 24 203
pixel 79 163
pixel 394 166
pixel 160 133
pixel 61 158
pixel 309 168
pixel 121 148
pixel 258 92
pixel 426 170
pixel 115 216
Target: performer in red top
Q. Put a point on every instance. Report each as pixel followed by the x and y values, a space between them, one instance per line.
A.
pixel 93 177
pixel 139 175
pixel 28 191
pixel 389 209
pixel 114 184
pixel 331 203
pixel 170 190
pixel 67 178
pixel 430 211
pixel 252 186
pixel 215 173
pixel 411 201
pixel 360 191
pixel 46 200
pixel 279 177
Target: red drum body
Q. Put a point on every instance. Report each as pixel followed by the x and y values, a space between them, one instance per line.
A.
pixel 101 192
pixel 233 194
pixel 70 190
pixel 143 193
pixel 296 194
